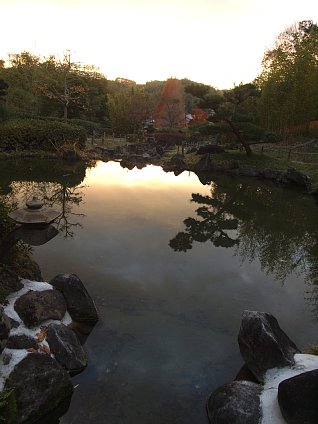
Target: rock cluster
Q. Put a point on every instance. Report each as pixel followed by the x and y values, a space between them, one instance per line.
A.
pixel 39 350
pixel 269 357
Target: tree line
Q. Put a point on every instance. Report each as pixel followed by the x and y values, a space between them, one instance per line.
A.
pixel 282 99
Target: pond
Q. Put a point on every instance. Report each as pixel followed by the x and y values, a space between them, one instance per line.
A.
pixel 171 262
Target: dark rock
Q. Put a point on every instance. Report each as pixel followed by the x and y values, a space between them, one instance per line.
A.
pixel 5 328
pixel 177 160
pixel 314 192
pixel 245 374
pixel 66 348
pixel 297 398
pixel 21 341
pixel 82 330
pixel 176 163
pixel 249 172
pixel 235 403
pixel 204 164
pixel 269 174
pixel 9 282
pixel 35 307
pixel 40 385
pixel 210 148
pixel 79 303
pixel 294 177
pixel 263 344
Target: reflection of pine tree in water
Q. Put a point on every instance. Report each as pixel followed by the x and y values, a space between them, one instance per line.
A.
pixel 214 223
pixel 279 228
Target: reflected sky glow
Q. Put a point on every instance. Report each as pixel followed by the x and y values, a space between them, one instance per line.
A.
pixel 109 174
pixel 169 320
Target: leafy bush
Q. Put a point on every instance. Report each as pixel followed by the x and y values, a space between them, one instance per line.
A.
pixel 89 126
pixel 37 134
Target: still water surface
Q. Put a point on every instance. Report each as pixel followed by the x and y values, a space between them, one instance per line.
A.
pixel 170 278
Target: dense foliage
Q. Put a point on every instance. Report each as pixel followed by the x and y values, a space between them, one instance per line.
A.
pixel 289 81
pixel 282 99
pixel 38 134
pixel 53 87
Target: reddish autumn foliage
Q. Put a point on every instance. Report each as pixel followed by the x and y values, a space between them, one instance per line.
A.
pixel 199 116
pixel 170 110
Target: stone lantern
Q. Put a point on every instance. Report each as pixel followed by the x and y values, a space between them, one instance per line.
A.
pixel 34 213
pixel 35 228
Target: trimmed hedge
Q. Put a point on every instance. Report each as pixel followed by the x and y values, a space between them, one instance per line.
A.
pixel 37 134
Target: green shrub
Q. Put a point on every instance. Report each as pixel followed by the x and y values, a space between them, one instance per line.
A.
pixel 89 126
pixel 37 134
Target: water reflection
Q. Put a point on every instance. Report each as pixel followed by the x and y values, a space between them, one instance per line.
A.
pixel 57 183
pixel 169 320
pixel 262 222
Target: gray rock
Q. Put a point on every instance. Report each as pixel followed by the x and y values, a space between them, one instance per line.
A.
pixel 40 384
pixel 292 176
pixel 263 344
pixel 21 341
pixel 297 398
pixel 79 303
pixel 5 328
pixel 269 174
pixel 235 403
pixel 35 307
pixel 66 347
pixel 249 172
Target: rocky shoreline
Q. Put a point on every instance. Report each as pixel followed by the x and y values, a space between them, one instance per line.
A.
pixel 277 385
pixel 145 155
pixel 39 346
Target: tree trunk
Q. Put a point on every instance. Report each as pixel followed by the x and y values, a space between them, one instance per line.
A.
pixel 65 113
pixel 236 131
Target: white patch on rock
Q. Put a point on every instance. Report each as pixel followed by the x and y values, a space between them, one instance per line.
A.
pixel 8 360
pixel 11 357
pixel 269 403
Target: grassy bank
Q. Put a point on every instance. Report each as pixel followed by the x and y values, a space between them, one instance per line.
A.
pixel 259 161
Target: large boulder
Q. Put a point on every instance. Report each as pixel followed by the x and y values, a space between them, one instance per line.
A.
pixel 263 344
pixel 66 348
pixel 294 177
pixel 235 403
pixel 297 398
pixel 79 303
pixel 5 328
pixel 35 307
pixel 40 384
pixel 22 341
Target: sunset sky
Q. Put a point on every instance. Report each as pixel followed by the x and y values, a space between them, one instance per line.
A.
pixel 217 42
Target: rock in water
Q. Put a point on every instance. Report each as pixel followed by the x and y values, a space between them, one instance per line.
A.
pixel 235 403
pixel 40 384
pixel 35 307
pixel 5 328
pixel 263 344
pixel 79 303
pixel 297 398
pixel 66 347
